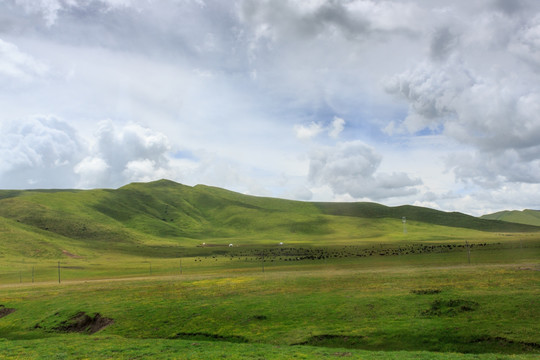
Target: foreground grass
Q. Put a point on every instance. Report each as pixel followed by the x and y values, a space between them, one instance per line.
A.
pixel 111 347
pixel 416 306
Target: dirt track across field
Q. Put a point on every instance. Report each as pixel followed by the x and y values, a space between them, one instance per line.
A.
pixel 268 274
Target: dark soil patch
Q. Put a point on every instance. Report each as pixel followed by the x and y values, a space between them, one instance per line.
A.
pixel 447 342
pixel 83 323
pixel 501 342
pixel 450 307
pixel 209 337
pixel 335 341
pixel 4 311
pixel 425 291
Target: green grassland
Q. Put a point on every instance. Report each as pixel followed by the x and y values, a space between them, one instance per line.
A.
pixel 528 217
pixel 164 218
pixel 409 306
pixel 347 281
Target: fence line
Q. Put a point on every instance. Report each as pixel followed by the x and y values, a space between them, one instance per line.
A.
pixel 77 269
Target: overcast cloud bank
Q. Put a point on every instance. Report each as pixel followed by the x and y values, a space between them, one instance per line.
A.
pixel 423 102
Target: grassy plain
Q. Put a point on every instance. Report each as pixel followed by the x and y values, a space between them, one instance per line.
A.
pixel 422 305
pixel 350 280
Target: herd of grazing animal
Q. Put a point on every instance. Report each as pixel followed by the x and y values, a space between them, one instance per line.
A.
pixel 281 253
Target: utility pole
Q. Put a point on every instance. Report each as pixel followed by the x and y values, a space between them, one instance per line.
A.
pixel 59 272
pixel 468 251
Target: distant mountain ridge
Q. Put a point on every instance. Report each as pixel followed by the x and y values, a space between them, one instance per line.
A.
pixel 421 214
pixel 152 218
pixel 527 216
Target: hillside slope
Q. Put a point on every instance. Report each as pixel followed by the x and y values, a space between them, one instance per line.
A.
pixel 527 217
pixel 154 219
pixel 421 214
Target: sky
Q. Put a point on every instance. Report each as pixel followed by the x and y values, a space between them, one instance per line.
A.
pixel 423 102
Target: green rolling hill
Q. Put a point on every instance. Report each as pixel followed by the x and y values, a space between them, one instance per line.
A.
pixel 159 218
pixel 528 217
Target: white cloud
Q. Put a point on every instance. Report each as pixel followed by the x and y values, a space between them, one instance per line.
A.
pixel 125 154
pixel 47 8
pixel 431 91
pixel 479 201
pixel 39 152
pixel 50 10
pixel 143 170
pixel 277 19
pixel 309 131
pixel 351 168
pixel 526 43
pixel 338 124
pixel 47 152
pixel 494 170
pixel 16 64
pixel 92 172
pixel 235 87
pixel 443 43
pixel 496 117
pixel 313 129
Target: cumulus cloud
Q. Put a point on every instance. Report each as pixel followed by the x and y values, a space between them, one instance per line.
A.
pixel 232 79
pixel 47 152
pixel 124 154
pixel 39 152
pixel 495 169
pixel 92 172
pixel 318 54
pixel 430 91
pixel 16 64
pixel 309 131
pixel 49 10
pixel 333 129
pixel 510 6
pixel 494 114
pixel 351 168
pixel 338 124
pixel 526 43
pixel 442 44
pixel 480 200
pixel 310 19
